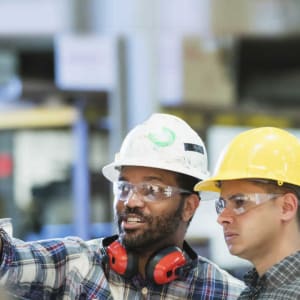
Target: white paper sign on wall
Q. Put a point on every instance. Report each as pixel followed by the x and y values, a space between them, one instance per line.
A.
pixel 85 62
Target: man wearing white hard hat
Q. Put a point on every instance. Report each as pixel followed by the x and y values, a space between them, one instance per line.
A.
pixel 153 176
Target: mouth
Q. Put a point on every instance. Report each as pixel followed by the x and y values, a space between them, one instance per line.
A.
pixel 229 236
pixel 134 220
pixel 130 222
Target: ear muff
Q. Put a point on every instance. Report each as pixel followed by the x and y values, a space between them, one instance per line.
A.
pixel 165 265
pixel 162 267
pixel 120 261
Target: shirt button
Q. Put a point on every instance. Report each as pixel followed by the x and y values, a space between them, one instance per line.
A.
pixel 144 291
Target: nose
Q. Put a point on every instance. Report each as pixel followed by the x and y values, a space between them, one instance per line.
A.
pixel 226 216
pixel 134 199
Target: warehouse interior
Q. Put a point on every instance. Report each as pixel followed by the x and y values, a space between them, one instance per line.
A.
pixel 76 76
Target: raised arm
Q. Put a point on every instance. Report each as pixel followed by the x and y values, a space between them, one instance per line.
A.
pixel 51 268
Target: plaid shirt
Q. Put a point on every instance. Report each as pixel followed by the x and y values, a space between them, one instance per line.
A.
pixel 282 281
pixel 72 269
pixel 53 269
pixel 204 281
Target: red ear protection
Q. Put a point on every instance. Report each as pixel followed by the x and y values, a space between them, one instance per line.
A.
pixel 120 261
pixel 164 266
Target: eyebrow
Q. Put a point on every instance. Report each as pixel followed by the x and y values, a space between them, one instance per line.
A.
pixel 232 196
pixel 146 178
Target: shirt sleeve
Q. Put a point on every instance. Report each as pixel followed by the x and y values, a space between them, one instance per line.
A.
pixel 44 264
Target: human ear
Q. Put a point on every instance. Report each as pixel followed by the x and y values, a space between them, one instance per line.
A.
pixel 190 206
pixel 289 206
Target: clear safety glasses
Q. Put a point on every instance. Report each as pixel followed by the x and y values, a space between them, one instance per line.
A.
pixel 241 203
pixel 150 192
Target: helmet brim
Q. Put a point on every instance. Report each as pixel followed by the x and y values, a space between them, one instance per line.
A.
pixel 112 170
pixel 209 185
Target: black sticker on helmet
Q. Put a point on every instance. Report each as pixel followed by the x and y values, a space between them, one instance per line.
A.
pixel 193 147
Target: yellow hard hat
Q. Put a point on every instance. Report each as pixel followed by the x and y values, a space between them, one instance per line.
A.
pixel 262 153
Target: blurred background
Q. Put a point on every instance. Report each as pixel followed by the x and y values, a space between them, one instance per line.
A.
pixel 76 75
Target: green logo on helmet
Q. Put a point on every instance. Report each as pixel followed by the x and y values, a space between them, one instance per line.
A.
pixel 162 139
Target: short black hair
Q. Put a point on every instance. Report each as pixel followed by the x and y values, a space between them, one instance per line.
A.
pixel 187 182
pixel 272 186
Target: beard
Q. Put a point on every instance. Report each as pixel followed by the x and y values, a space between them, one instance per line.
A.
pixel 159 231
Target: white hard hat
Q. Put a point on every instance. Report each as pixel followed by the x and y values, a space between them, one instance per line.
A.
pixel 163 141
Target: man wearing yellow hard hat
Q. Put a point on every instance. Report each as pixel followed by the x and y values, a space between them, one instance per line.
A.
pixel 257 179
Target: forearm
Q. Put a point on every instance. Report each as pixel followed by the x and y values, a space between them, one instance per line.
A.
pixel 52 269
pixel 43 263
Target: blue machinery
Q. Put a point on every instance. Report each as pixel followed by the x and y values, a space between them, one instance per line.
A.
pixel 81 180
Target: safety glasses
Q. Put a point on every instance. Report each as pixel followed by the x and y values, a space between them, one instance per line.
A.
pixel 149 192
pixel 242 203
